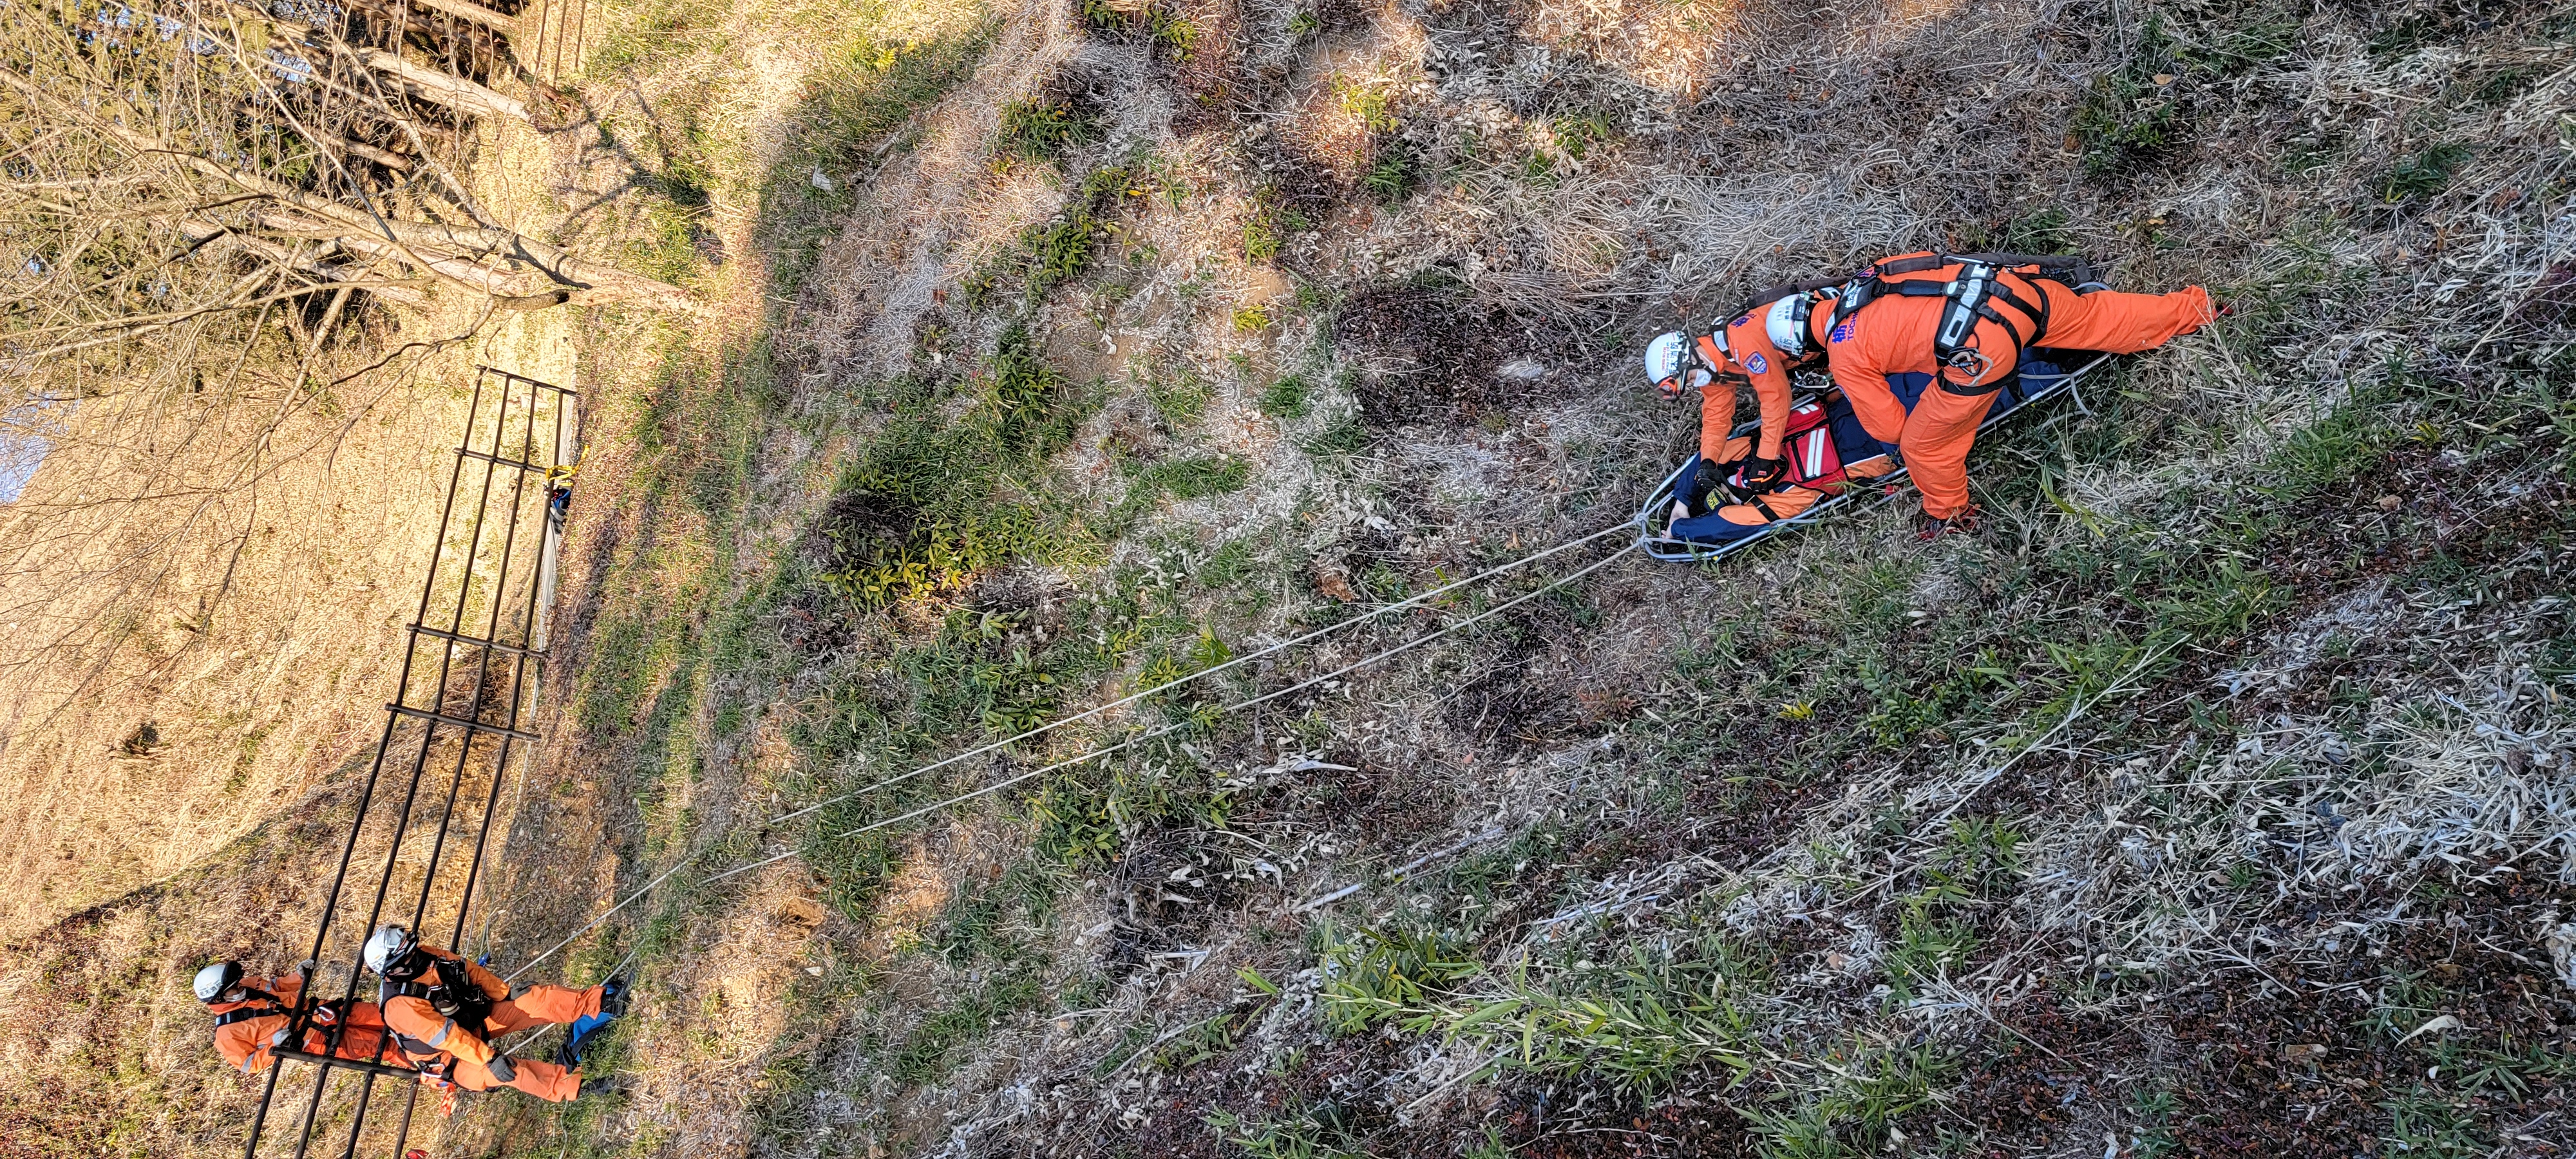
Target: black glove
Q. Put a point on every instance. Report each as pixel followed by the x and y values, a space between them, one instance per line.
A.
pixel 1761 475
pixel 501 1068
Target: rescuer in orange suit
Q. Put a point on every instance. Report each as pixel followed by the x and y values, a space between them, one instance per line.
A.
pixel 1920 344
pixel 252 1016
pixel 444 1012
pixel 1677 363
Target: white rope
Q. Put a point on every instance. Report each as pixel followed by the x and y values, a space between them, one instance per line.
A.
pixel 684 863
pixel 1203 673
pixel 1166 730
pixel 1408 602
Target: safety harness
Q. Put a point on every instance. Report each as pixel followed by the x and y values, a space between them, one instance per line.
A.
pixel 246 1012
pixel 1976 291
pixel 461 1003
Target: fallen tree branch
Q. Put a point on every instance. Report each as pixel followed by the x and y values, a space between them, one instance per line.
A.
pixel 559 265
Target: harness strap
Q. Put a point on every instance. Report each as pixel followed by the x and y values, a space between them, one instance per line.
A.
pixel 1903 266
pixel 244 1014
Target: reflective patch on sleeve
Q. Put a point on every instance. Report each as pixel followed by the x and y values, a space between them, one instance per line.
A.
pixel 441 1036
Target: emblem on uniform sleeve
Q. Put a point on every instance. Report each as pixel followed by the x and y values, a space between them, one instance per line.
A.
pixel 1842 332
pixel 1757 364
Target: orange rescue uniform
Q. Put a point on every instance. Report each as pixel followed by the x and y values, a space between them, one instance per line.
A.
pixel 248 1042
pixel 1717 399
pixel 1892 335
pixel 425 1035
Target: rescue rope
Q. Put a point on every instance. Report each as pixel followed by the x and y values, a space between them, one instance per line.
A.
pixel 1237 662
pixel 1400 605
pixel 1168 729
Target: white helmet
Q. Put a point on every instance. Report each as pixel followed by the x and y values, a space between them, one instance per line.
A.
pixel 1785 327
pixel 214 980
pixel 1673 366
pixel 388 945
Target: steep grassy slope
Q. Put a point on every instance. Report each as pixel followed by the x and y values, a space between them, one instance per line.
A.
pixel 2169 814
pixel 2213 798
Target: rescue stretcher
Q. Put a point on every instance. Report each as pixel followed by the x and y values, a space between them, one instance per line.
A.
pixel 1657 539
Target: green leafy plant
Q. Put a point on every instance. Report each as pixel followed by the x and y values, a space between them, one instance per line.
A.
pixel 1377 975
pixel 1576 134
pixel 1370 103
pixel 1639 1023
pixel 2424 1122
pixel 2132 114
pixel 1393 176
pixel 1867 1085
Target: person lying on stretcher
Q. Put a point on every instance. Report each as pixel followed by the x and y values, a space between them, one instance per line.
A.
pixel 1825 448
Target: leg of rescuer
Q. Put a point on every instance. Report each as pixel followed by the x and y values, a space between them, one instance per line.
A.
pixel 542 1005
pixel 543 1080
pixel 1943 424
pixel 2117 323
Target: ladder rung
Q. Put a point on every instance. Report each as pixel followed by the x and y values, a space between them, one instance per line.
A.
pixel 519 463
pixel 477 641
pixel 458 721
pixel 339 1063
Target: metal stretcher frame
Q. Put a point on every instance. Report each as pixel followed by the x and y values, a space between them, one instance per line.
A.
pixel 1654 518
pixel 469 679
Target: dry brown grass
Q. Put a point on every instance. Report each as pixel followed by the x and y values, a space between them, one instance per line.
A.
pixel 1899 125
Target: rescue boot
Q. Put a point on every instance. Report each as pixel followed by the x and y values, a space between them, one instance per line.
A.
pixel 1927 528
pixel 612 997
pixel 600 1087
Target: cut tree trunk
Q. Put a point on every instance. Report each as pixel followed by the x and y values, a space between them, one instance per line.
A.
pixel 199 230
pixel 440 88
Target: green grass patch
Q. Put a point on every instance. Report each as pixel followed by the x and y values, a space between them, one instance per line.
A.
pixel 2132 115
pixel 1195 477
pixel 1287 398
pixel 1040 129
pixel 2424 174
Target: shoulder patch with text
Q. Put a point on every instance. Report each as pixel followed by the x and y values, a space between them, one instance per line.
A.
pixel 1843 332
pixel 1757 364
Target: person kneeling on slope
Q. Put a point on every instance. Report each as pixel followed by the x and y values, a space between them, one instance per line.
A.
pixel 253 1016
pixel 1922 343
pixel 444 1011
